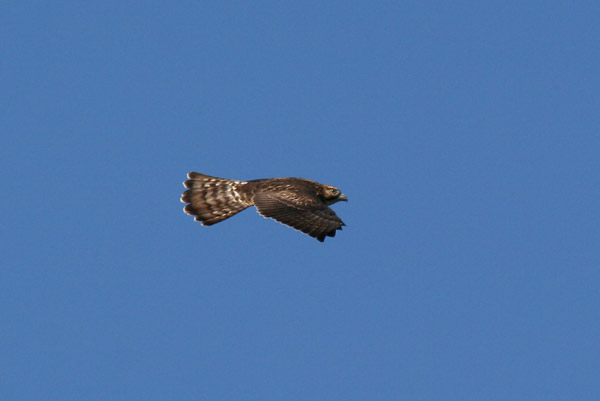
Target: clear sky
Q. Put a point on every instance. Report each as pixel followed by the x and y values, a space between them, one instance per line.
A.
pixel 465 135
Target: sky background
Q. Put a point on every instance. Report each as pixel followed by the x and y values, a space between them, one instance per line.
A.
pixel 465 135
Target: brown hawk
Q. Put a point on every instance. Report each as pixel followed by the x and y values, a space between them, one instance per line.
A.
pixel 296 202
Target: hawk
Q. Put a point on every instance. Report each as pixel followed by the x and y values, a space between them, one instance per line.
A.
pixel 297 202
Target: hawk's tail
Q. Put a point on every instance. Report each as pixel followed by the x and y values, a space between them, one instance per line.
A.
pixel 211 199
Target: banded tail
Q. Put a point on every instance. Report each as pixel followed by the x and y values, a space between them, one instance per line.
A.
pixel 212 199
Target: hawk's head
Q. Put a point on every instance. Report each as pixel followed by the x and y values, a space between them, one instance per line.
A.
pixel 332 194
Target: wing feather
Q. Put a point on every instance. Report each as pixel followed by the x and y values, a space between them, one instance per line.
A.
pixel 300 210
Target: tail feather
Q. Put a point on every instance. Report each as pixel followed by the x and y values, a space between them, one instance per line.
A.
pixel 211 199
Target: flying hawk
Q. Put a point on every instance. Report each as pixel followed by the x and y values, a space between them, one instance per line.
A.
pixel 296 202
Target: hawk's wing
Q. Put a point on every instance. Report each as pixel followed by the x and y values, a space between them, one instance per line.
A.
pixel 299 210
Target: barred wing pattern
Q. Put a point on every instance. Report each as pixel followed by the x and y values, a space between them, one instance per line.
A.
pixel 301 211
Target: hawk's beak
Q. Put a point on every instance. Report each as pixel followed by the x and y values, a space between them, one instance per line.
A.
pixel 343 198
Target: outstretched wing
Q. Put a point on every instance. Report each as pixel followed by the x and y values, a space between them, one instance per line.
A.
pixel 300 210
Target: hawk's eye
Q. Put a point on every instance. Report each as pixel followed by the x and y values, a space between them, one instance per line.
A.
pixel 334 191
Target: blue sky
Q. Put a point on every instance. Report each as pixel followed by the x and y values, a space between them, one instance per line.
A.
pixel 465 135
